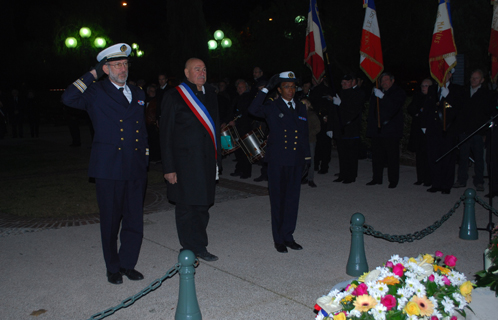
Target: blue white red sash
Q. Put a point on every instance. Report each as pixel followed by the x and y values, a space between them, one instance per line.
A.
pixel 199 110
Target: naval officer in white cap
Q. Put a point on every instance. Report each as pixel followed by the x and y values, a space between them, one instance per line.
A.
pixel 287 153
pixel 119 156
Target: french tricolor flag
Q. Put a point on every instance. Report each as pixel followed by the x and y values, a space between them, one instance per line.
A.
pixel 371 61
pixel 315 44
pixel 442 57
pixel 493 43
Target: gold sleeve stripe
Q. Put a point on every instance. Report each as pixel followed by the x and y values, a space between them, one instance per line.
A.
pixel 307 158
pixel 80 85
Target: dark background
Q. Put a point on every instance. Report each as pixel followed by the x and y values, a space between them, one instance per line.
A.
pixel 171 31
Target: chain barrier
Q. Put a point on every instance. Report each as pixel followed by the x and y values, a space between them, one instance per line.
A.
pixel 486 205
pixel 129 301
pixel 369 230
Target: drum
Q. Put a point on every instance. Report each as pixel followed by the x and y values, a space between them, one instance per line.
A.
pixel 229 140
pixel 253 146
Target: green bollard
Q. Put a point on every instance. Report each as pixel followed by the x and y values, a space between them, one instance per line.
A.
pixel 468 230
pixel 188 307
pixel 357 262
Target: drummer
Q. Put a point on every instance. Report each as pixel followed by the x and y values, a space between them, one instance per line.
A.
pixel 243 168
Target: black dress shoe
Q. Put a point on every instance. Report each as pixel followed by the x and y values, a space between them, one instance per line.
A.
pixel 260 178
pixel 417 183
pixel 445 191
pixel 433 190
pixel 206 256
pixel 114 278
pixel 322 171
pixel 245 176
pixel 311 184
pixel 339 180
pixel 392 185
pixel 427 184
pixel 236 174
pixel 281 247
pixel 346 181
pixel 337 174
pixel 304 182
pixel 293 245
pixel 373 182
pixel 132 274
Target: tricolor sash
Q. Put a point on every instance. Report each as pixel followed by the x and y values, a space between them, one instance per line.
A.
pixel 200 112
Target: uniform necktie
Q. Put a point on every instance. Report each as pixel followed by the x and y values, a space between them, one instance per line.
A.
pixel 121 90
pixel 291 107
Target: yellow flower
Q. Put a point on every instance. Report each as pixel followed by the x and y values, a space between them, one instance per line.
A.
pixel 347 298
pixel 340 316
pixel 428 258
pixel 363 276
pixel 442 269
pixel 412 260
pixel 390 280
pixel 364 303
pixel 425 305
pixel 466 290
pixel 411 309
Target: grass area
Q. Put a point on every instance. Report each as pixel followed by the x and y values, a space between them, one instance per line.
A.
pixel 43 179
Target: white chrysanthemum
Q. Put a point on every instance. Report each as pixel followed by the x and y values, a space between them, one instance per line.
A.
pixel 378 312
pixel 420 291
pixel 412 285
pixel 413 317
pixel 384 272
pixel 404 293
pixel 395 259
pixel 436 313
pixel 460 299
pixel 333 293
pixel 378 289
pixel 354 313
pixel 340 296
pixel 439 280
pixel 456 278
pixel 448 305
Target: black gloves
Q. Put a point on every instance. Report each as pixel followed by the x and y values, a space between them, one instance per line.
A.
pixel 98 68
pixel 273 82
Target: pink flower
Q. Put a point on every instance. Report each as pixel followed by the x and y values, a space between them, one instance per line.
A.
pixel 389 264
pixel 446 280
pixel 431 278
pixel 348 287
pixel 450 261
pixel 439 254
pixel 388 301
pixel 360 290
pixel 434 318
pixel 454 318
pixel 398 270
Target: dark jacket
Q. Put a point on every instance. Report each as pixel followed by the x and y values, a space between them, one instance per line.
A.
pixel 391 114
pixel 435 108
pixel 475 111
pixel 288 141
pixel 187 148
pixel 119 148
pixel 347 116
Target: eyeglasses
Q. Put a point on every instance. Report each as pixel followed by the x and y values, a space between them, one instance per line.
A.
pixel 119 65
pixel 289 87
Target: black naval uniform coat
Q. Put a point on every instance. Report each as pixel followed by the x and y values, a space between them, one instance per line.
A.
pixel 118 162
pixel 187 149
pixel 287 153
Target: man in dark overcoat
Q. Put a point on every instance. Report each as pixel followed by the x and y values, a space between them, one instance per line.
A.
pixel 386 137
pixel 119 157
pixel 287 153
pixel 191 149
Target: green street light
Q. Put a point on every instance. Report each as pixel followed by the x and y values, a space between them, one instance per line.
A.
pixel 71 42
pixel 299 19
pixel 226 43
pixel 99 42
pixel 85 32
pixel 218 35
pixel 212 44
pixel 140 53
pixel 134 46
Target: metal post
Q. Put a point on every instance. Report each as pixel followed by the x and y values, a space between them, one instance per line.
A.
pixel 188 307
pixel 468 230
pixel 357 262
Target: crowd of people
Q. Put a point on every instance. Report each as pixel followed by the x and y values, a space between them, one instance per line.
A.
pixel 178 124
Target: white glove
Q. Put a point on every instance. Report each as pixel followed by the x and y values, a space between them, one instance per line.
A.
pixel 378 93
pixel 444 91
pixel 336 100
pixel 330 134
pixel 217 173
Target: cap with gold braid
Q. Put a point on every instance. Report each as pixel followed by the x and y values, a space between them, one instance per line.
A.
pixel 114 52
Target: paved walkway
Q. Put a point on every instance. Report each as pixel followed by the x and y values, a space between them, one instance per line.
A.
pixel 58 272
